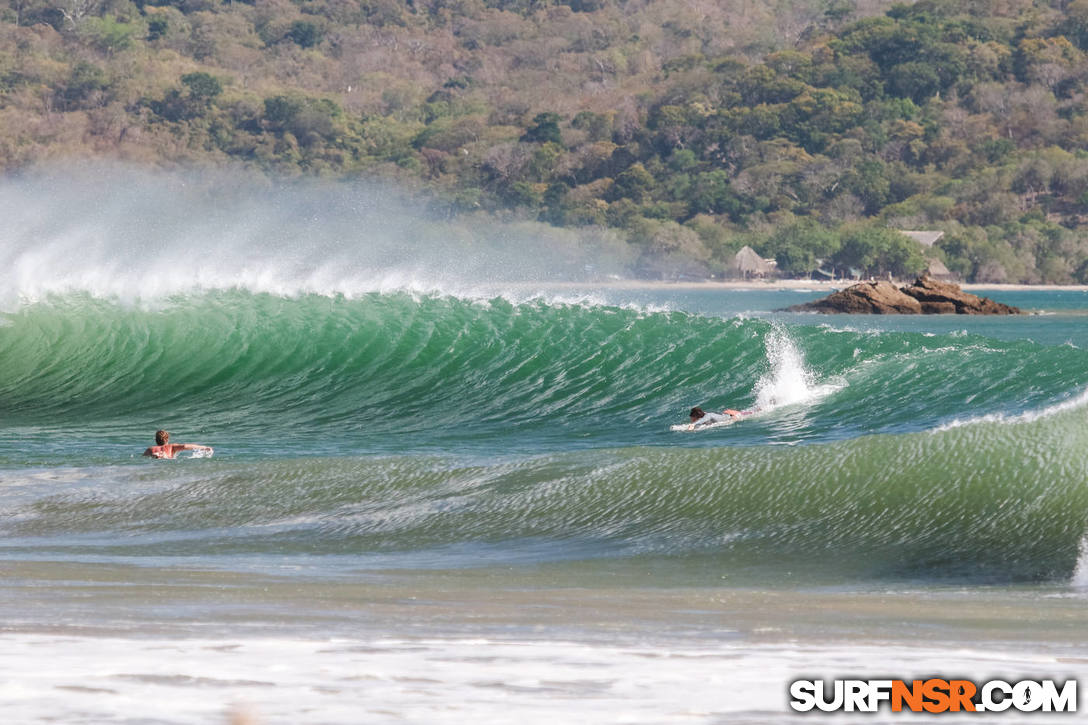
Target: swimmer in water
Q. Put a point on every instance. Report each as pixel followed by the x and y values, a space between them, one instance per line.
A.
pixel 163 448
pixel 701 418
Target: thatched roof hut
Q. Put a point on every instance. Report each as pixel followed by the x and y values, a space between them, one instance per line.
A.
pixel 926 239
pixel 749 264
pixel 937 270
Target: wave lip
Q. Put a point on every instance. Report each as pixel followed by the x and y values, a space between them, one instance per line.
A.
pixel 1077 401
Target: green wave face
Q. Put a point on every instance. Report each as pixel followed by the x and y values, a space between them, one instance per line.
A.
pixel 336 368
pixel 988 501
pixel 258 369
pixel 439 428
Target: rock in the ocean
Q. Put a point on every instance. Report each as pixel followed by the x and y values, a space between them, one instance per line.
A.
pixel 924 296
pixel 936 298
pixel 866 298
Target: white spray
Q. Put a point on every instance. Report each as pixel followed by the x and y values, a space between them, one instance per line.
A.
pixel 788 381
pixel 1080 573
pixel 117 232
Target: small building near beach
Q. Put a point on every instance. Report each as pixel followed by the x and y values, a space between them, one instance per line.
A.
pixel 748 264
pixel 926 239
pixel 937 270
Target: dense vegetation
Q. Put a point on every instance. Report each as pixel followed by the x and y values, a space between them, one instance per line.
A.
pixel 807 128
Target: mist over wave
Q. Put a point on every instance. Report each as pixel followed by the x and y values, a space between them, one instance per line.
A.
pixel 117 232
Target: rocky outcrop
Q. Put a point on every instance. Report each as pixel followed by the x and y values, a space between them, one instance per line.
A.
pixel 924 296
pixel 866 298
pixel 939 298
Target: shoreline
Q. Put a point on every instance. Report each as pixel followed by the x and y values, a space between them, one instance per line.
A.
pixel 799 284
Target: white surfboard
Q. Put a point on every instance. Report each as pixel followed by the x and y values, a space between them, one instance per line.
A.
pixel 686 427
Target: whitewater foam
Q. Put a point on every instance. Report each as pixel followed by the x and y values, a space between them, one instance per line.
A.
pixel 1030 416
pixel 789 381
pixel 1080 573
pixel 176 234
pixel 453 679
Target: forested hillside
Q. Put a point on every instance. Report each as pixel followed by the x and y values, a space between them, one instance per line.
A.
pixel 805 128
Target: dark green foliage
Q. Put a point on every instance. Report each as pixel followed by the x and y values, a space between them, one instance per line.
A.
pixel 280 111
pixel 522 193
pixel 201 89
pixel 304 34
pixel 964 117
pixel 917 81
pixel 85 83
pixel 799 247
pixel 202 86
pixel 585 6
pixel 635 183
pixel 172 106
pixel 877 251
pixel 309 120
pixel 157 27
pixel 545 129
pixel 712 193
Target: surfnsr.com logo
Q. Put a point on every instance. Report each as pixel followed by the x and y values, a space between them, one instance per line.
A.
pixel 933 695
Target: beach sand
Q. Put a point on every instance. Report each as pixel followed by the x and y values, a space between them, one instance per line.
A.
pixel 797 284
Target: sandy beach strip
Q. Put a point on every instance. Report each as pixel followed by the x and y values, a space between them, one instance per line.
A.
pixel 771 285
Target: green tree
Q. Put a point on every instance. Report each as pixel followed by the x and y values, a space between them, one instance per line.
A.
pixel 108 34
pixel 858 251
pixel 304 34
pixel 713 194
pixel 798 247
pixel 795 260
pixel 869 181
pixel 84 86
pixel 879 251
pixel 279 111
pixel 202 86
pixel 597 125
pixel 916 80
pixel 634 183
pixel 545 129
pixel 899 255
pixel 157 27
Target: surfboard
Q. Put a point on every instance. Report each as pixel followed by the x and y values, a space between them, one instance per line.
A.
pixel 686 427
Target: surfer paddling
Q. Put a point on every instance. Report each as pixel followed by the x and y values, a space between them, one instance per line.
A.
pixel 700 418
pixel 163 448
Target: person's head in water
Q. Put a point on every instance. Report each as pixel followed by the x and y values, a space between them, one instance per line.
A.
pixel 163 448
pixel 696 413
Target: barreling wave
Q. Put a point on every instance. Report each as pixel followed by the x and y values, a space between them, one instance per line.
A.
pixel 371 391
pixel 544 429
pixel 433 369
pixel 389 362
pixel 983 502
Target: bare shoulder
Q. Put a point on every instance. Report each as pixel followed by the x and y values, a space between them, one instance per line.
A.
pixel 160 452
